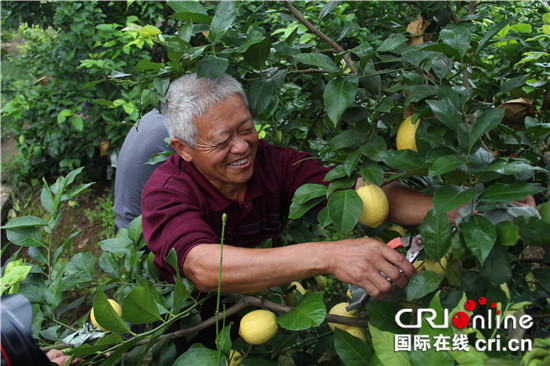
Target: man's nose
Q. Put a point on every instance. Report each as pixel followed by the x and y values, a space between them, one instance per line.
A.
pixel 240 145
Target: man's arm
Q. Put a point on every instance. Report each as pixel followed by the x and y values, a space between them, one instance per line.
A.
pixel 355 261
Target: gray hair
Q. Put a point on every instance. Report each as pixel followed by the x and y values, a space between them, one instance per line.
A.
pixel 188 97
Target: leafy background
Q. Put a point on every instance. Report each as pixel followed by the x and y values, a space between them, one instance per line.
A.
pixel 335 79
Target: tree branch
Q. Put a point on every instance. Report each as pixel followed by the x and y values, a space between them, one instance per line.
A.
pixel 244 301
pixel 296 13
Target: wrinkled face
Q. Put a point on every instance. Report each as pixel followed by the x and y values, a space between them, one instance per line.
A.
pixel 225 146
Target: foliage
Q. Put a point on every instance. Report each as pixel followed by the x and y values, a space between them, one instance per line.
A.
pixel 459 70
pixel 57 126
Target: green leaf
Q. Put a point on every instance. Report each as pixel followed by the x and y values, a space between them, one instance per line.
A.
pixel 489 34
pixel 25 237
pixel 458 38
pixel 105 315
pixel 533 230
pixel 260 94
pixel 425 328
pixel 172 259
pixel 511 167
pixel 309 312
pixel 338 95
pixel 507 233
pixel 445 164
pixel 479 235
pixel 145 65
pixel 372 172
pixel 161 85
pixel 445 112
pixel 198 355
pixel 135 230
pixel 431 356
pixel 345 139
pixel 402 159
pixel 318 60
pixel 448 197
pixel 489 120
pixel 374 148
pixel 384 347
pixel 212 66
pixel 351 350
pixel 392 43
pixel 422 284
pixel 382 315
pixel 542 275
pixel 344 209
pixel 298 210
pixel 139 307
pixel 500 192
pixel 309 191
pixel 116 245
pixel 77 122
pixel 82 265
pixel 497 267
pixel 472 357
pixel 436 231
pixel 53 292
pixel 417 93
pixel 257 54
pixel 47 200
pixel 181 294
pixel 187 7
pixel 14 273
pixel 23 222
pixel 62 116
pixel 224 17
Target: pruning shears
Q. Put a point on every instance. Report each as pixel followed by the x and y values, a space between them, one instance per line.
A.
pixel 413 245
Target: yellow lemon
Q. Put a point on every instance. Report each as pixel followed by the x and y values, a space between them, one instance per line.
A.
pixel 289 297
pixel 258 326
pixel 235 358
pixel 406 135
pixel 375 205
pixel 397 228
pixel 419 265
pixel 356 332
pixel 321 282
pixel 340 309
pixel 114 305
pixel 437 267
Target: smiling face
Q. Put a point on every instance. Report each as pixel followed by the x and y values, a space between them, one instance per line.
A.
pixel 225 146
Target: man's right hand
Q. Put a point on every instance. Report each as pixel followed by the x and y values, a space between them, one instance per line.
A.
pixel 361 261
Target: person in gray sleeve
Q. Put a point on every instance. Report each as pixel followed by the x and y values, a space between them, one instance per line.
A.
pixel 144 140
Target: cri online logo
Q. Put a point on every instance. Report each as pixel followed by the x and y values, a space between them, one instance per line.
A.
pixel 461 319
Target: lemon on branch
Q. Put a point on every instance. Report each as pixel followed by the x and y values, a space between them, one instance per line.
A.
pixel 340 309
pixel 258 327
pixel 375 205
pixel 289 298
pixel 406 135
pixel 114 305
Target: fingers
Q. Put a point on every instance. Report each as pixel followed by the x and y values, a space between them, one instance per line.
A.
pixel 526 202
pixel 377 268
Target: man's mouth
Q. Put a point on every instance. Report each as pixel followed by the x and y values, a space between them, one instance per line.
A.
pixel 240 162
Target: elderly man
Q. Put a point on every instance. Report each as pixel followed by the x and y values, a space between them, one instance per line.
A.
pixel 222 167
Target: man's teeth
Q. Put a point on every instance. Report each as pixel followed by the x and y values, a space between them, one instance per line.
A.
pixel 239 162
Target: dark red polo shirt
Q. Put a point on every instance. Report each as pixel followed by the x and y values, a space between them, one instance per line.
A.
pixel 181 209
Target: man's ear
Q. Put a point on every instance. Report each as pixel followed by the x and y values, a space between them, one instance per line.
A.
pixel 182 148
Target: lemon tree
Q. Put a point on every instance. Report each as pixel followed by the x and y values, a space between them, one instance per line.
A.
pixel 473 81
